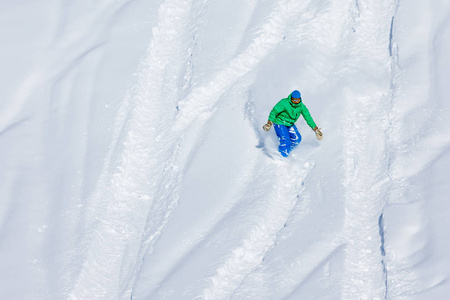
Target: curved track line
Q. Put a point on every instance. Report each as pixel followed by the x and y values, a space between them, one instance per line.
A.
pixel 201 102
pixel 262 236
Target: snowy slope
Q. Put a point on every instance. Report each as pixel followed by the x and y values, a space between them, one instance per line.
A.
pixel 134 163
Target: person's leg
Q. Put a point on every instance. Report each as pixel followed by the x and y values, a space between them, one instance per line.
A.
pixel 284 138
pixel 294 136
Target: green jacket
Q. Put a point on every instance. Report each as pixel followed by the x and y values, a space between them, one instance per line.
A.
pixel 287 113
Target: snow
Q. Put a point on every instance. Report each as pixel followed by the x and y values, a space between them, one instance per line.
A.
pixel 134 162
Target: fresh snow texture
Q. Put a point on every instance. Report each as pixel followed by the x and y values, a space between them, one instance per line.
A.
pixel 134 164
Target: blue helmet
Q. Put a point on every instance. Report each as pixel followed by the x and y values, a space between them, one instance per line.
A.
pixel 296 94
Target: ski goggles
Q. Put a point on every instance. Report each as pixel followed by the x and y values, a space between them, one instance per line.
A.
pixel 296 100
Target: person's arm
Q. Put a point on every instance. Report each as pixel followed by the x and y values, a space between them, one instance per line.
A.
pixel 276 110
pixel 307 116
pixel 309 120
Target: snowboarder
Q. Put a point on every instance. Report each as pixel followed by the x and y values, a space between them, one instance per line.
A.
pixel 283 117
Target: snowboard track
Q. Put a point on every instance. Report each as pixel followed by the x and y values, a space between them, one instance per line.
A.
pixel 262 235
pixel 368 180
pixel 132 185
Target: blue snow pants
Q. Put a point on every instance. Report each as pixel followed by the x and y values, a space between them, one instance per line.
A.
pixel 289 137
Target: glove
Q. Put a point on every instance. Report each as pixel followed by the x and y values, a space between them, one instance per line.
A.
pixel 319 134
pixel 268 125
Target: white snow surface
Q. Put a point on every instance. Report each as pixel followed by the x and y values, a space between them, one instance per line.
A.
pixel 133 160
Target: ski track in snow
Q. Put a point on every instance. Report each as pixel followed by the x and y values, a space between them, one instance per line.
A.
pixel 201 102
pixel 116 244
pixel 251 251
pixel 367 179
